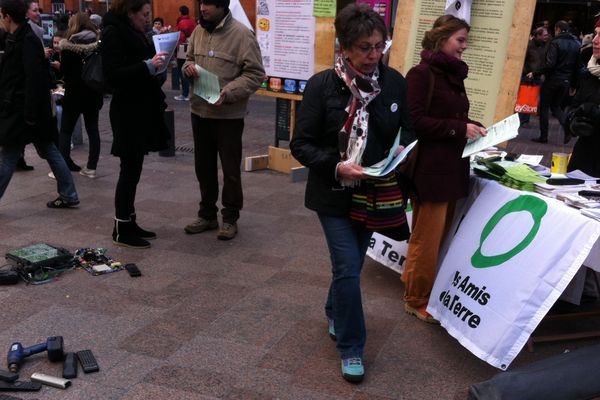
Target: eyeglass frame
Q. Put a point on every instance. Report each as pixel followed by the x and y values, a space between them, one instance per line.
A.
pixel 367 49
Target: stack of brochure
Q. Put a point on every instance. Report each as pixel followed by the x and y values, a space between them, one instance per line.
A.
pixel 577 201
pixel 591 212
pixel 521 177
pixel 509 173
pixel 554 190
pixel 492 169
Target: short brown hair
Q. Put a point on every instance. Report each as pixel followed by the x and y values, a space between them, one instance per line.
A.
pixel 443 27
pixel 122 7
pixel 356 21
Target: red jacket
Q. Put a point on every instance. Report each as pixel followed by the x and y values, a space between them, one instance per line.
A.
pixel 441 173
pixel 186 26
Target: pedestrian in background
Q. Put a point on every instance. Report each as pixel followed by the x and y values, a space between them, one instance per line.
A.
pixel 534 61
pixel 229 50
pixel 185 26
pixel 25 106
pixel 336 145
pixel 136 109
pixel 560 70
pixel 81 39
pixel 439 109
pixel 34 19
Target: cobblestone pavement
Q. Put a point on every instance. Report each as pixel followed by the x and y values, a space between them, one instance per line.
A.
pixel 209 319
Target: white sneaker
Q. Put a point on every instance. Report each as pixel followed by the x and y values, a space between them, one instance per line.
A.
pixel 51 175
pixel 181 98
pixel 90 173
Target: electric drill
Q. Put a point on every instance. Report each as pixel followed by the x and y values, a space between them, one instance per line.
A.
pixel 18 353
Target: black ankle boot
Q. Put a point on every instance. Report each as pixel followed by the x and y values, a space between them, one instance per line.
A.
pixel 138 231
pixel 123 235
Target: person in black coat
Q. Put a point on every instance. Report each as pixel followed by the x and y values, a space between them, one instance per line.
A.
pixel 136 109
pixel 25 107
pixel 583 116
pixel 560 69
pixel 81 39
pixel 336 146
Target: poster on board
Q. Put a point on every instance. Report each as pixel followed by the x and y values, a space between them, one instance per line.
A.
pixel 285 30
pixel 486 56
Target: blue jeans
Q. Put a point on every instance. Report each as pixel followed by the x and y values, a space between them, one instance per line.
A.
pixel 10 154
pixel 347 248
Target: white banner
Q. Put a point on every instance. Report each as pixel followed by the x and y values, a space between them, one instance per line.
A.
pixel 388 252
pixel 511 258
pixel 460 9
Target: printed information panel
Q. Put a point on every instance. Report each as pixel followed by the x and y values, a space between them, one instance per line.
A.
pixel 486 55
pixel 285 30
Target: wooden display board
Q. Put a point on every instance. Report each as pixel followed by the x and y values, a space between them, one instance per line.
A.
pixel 280 159
pixel 499 31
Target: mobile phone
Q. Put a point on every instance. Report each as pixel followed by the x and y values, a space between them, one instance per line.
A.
pixel 133 270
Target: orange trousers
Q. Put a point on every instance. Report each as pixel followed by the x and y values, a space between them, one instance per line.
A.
pixel 430 223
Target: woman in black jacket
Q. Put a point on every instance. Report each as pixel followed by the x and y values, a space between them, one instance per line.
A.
pixel 136 110
pixel 349 119
pixel 81 39
pixel 25 108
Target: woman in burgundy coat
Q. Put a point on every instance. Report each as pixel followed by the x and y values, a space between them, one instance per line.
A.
pixel 439 110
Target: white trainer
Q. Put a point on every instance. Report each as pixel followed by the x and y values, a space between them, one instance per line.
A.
pixel 90 173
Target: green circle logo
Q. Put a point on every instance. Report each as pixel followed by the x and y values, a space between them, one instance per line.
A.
pixel 535 206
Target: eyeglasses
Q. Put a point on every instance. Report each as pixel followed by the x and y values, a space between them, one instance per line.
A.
pixel 367 48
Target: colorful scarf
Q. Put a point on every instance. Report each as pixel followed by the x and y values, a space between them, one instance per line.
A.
pixel 593 67
pixel 352 138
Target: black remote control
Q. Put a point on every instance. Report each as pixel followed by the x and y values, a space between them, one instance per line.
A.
pixel 8 376
pixel 20 386
pixel 70 366
pixel 564 181
pixel 590 194
pixel 88 361
pixel 133 270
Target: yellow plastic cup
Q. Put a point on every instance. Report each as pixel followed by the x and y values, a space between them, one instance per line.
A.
pixel 559 163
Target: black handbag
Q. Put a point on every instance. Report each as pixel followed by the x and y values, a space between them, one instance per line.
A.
pixel 92 73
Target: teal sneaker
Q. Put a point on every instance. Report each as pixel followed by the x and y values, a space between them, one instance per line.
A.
pixel 331 329
pixel 353 369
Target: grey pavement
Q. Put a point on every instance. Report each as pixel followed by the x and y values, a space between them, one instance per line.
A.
pixel 209 319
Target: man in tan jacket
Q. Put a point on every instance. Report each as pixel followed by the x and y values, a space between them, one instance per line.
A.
pixel 228 49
